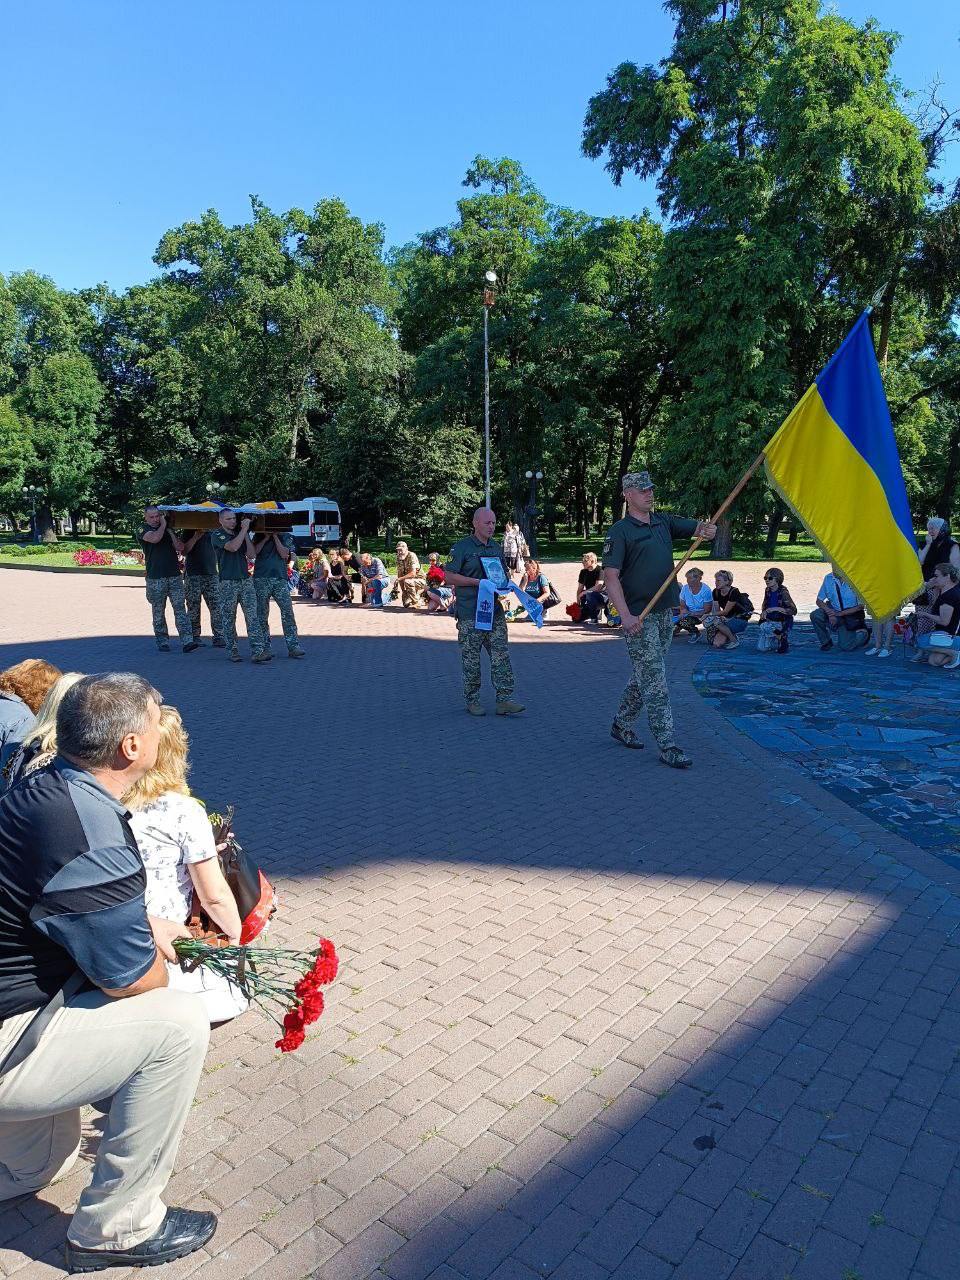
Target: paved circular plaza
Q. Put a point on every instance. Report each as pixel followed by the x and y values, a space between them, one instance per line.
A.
pixel 595 1018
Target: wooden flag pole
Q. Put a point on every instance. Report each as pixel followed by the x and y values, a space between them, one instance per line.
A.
pixel 718 514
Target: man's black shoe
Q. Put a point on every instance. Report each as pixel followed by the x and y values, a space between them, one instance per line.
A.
pixel 189 648
pixel 182 1231
pixel 626 737
pixel 827 645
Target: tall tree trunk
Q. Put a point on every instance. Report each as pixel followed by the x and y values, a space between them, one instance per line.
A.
pixel 722 548
pixel 45 525
pixel 943 504
pixel 773 529
pixel 75 518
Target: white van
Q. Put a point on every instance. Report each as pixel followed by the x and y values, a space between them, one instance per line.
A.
pixel 323 527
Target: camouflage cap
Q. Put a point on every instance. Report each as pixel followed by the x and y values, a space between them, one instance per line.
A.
pixel 637 480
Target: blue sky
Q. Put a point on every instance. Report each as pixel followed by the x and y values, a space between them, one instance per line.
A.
pixel 123 119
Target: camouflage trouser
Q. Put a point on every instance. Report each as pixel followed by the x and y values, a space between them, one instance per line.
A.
pixel 159 591
pixel 411 592
pixel 268 589
pixel 648 684
pixel 203 586
pixel 495 642
pixel 233 593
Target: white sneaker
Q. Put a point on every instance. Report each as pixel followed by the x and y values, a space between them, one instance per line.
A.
pixel 883 653
pixel 871 651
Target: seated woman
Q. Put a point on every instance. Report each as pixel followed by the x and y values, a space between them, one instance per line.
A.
pixel 439 597
pixel 22 689
pixel 535 584
pixel 319 570
pixel 941 646
pixel 178 851
pixel 39 746
pixel 731 612
pixel 339 590
pixel 696 601
pixel 590 593
pixel 776 615
pixel 376 580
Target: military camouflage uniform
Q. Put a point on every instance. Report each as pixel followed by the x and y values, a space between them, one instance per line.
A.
pixel 412 591
pixel 495 642
pixel 164 583
pixel 270 583
pixel 465 558
pixel 236 588
pixel 159 591
pixel 648 684
pixel 206 587
pixel 642 552
pixel 233 593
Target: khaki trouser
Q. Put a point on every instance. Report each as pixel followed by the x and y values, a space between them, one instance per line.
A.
pixel 145 1054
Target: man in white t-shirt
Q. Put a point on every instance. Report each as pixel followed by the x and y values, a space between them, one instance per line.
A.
pixel 839 617
pixel 696 601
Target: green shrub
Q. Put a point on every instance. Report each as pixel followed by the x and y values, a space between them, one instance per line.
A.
pixel 18 549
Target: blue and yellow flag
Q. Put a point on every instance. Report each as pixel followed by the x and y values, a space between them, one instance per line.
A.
pixel 836 466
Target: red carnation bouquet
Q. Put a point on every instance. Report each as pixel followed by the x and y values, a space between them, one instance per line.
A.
pixel 272 977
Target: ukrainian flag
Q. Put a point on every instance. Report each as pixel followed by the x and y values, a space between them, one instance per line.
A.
pixel 835 464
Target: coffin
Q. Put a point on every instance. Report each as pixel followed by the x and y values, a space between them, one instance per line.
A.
pixel 266 517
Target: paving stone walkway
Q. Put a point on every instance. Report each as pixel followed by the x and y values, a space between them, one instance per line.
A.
pixel 596 1018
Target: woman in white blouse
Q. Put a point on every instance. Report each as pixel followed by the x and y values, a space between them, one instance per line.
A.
pixel 180 856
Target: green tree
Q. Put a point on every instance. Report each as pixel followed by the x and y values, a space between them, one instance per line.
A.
pixel 792 180
pixel 61 400
pixel 16 457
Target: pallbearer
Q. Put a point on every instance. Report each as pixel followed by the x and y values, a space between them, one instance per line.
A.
pixel 637 558
pixel 233 547
pixel 161 551
pixel 271 551
pixel 201 582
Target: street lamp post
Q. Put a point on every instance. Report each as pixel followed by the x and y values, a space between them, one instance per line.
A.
pixel 30 491
pixel 489 298
pixel 216 491
pixel 533 477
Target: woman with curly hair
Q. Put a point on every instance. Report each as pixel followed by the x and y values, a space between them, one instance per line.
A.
pixel 22 689
pixel 39 745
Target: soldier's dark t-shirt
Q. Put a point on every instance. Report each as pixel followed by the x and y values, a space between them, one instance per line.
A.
pixel 268 563
pixel 160 558
pixel 201 559
pixel 465 558
pixel 232 565
pixel 643 553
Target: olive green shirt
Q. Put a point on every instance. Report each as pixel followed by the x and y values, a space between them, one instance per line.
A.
pixel 160 558
pixel 268 563
pixel 465 558
pixel 643 553
pixel 231 565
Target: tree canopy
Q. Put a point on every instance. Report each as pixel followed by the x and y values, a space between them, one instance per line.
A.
pixel 290 354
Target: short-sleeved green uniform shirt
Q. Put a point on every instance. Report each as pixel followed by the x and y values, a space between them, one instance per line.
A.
pixel 201 560
pixel 268 563
pixel 232 565
pixel 644 555
pixel 160 558
pixel 465 558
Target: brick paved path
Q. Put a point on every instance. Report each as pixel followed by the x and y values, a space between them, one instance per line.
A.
pixel 669 1026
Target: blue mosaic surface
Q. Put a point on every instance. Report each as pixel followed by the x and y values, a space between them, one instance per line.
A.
pixel 883 735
